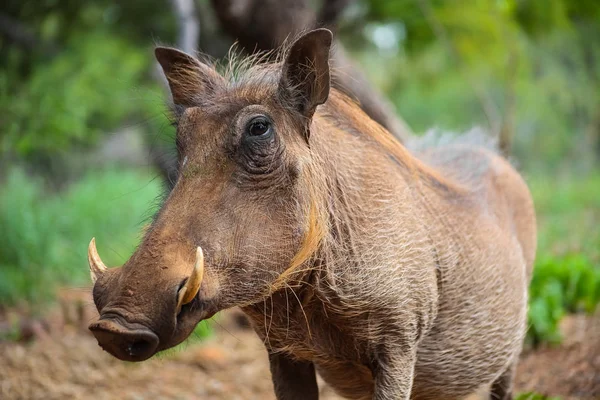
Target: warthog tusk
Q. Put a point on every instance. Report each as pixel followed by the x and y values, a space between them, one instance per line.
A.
pixel 191 287
pixel 97 267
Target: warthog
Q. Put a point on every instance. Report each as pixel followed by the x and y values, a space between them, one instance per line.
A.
pixel 391 274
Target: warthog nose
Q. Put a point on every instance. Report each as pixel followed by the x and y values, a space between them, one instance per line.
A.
pixel 124 343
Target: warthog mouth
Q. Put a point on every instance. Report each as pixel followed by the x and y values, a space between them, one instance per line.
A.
pixel 135 342
pixel 126 341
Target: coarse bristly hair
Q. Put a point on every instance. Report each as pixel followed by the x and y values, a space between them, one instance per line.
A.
pixel 423 249
pixel 435 137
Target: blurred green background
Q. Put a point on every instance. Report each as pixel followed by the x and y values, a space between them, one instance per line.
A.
pixel 82 108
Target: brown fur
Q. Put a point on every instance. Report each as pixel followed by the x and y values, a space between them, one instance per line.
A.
pixel 393 274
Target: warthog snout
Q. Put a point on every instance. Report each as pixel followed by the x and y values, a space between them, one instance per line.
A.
pixel 139 316
pixel 134 343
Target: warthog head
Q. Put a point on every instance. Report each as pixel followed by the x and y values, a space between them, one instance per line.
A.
pixel 241 215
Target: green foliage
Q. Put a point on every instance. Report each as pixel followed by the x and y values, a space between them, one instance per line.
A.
pixel 530 65
pixel 568 214
pixel 57 21
pixel 535 396
pixel 561 285
pixel 85 90
pixel 43 238
pixel 539 16
pixel 27 234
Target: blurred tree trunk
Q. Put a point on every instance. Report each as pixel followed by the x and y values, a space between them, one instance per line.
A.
pixel 189 27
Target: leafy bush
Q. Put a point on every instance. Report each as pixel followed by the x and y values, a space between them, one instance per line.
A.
pixel 89 88
pixel 561 285
pixel 43 238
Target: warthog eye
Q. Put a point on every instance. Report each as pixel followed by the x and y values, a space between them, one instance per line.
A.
pixel 259 146
pixel 259 126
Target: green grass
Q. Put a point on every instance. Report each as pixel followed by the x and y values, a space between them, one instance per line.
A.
pixel 534 396
pixel 44 237
pixel 568 209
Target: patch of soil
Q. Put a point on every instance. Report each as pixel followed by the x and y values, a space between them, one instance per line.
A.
pixel 571 371
pixel 63 361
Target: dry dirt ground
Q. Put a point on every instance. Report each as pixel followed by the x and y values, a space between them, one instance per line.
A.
pixel 59 359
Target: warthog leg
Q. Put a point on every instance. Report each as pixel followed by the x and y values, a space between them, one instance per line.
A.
pixel 293 379
pixel 393 373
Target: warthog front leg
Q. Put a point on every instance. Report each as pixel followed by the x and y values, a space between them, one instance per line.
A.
pixel 393 373
pixel 293 380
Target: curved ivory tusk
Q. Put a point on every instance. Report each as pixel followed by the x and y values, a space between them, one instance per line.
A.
pixel 191 287
pixel 97 267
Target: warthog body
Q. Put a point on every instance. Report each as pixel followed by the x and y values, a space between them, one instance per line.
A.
pixel 395 275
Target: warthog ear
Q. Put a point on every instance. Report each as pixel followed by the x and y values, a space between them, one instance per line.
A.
pixel 188 78
pixel 305 75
